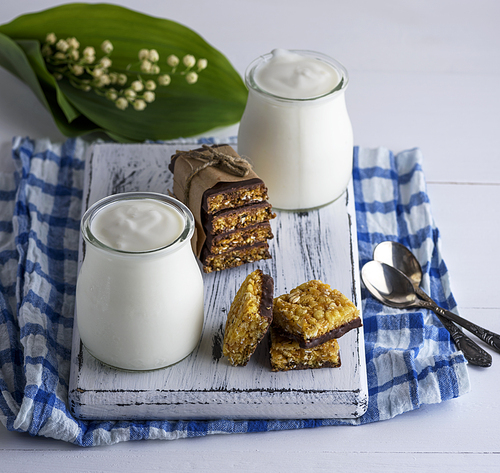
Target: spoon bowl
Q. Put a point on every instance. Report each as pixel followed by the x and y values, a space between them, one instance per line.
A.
pixel 400 257
pixel 388 285
pixel 394 279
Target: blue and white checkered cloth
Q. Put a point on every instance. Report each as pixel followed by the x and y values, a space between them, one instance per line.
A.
pixel 410 359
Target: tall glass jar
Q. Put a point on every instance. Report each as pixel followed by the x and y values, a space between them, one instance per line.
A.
pixel 301 147
pixel 139 310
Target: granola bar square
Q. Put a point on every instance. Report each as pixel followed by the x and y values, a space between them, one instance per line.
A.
pixel 313 313
pixel 249 318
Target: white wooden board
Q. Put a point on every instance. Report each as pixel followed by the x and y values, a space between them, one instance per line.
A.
pixel 319 244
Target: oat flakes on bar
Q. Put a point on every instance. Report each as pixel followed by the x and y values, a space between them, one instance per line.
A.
pixel 249 318
pixel 314 313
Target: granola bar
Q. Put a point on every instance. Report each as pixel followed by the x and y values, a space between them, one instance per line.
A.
pixel 218 244
pixel 235 219
pixel 231 195
pixel 286 354
pixel 249 318
pixel 234 257
pixel 314 312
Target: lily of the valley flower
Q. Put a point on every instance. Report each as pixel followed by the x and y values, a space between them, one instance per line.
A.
pixel 191 77
pixel 86 72
pixel 189 61
pixel 107 47
pixel 201 64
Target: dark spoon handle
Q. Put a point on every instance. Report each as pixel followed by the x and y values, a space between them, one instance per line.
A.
pixel 486 336
pixel 473 353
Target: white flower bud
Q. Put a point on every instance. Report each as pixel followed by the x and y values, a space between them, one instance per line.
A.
pixel 189 60
pixel 62 45
pixel 202 64
pixel 121 103
pixel 75 54
pixel 139 105
pixel 73 43
pixel 164 79
pixel 89 54
pixel 146 66
pixel 51 38
pixel 130 94
pixel 191 77
pixel 58 76
pixel 103 81
pixel 105 62
pixel 143 54
pixel 60 56
pixel 137 85
pixel 149 96
pixel 122 79
pixel 155 69
pixel 98 72
pixel 77 70
pixel 107 47
pixel 150 85
pixel 153 55
pixel 111 94
pixel 86 88
pixel 172 60
pixel 113 77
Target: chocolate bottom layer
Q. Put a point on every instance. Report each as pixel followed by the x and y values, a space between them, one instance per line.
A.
pixel 286 353
pixel 335 333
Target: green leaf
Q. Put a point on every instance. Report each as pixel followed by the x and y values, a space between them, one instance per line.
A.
pixel 14 59
pixel 217 99
pixel 32 51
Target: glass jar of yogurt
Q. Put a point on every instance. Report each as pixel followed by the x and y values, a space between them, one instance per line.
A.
pixel 296 130
pixel 139 295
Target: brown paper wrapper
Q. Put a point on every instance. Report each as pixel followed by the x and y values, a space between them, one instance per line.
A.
pixel 183 166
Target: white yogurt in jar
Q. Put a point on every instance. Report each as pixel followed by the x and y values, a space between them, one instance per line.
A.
pixel 295 129
pixel 295 76
pixel 139 292
pixel 137 225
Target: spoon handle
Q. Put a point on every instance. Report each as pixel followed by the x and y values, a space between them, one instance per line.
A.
pixel 473 353
pixel 487 336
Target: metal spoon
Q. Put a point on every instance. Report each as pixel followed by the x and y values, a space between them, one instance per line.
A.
pixel 391 287
pixel 400 257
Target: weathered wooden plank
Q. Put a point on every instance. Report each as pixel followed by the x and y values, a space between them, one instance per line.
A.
pixel 319 244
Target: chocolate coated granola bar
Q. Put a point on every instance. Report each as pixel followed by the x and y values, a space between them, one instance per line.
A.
pixel 314 312
pixel 217 244
pixel 234 257
pixel 230 195
pixel 234 219
pixel 249 318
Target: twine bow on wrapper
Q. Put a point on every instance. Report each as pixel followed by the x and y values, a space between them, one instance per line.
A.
pixel 235 165
pixel 200 170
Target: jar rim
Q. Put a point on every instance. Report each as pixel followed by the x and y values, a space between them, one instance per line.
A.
pixel 178 206
pixel 339 68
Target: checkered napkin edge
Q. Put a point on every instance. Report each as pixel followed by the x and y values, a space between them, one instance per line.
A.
pixel 410 359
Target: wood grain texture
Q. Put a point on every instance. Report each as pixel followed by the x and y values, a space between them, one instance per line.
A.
pixel 319 244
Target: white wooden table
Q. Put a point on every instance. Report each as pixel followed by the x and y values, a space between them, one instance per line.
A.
pixel 422 74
